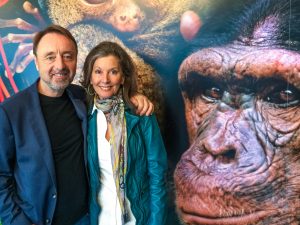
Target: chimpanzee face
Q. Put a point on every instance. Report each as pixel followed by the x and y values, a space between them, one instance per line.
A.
pixel 234 78
pixel 242 106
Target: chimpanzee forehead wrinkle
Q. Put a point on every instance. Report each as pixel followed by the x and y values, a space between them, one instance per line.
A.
pixel 207 62
pixel 270 63
pixel 228 64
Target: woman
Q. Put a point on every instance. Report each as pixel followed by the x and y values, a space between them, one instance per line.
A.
pixel 127 159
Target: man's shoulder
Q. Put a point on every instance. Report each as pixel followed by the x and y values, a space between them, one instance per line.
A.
pixel 20 98
pixel 77 91
pixel 76 87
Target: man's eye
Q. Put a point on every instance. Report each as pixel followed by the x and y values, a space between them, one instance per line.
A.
pixel 284 97
pixel 68 57
pixel 50 58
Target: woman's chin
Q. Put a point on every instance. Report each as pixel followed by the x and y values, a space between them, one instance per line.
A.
pixel 105 94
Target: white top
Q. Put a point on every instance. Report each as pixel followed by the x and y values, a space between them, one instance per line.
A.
pixel 110 205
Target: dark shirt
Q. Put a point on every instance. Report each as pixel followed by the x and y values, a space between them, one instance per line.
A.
pixel 65 133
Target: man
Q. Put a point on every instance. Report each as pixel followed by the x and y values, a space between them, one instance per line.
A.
pixel 43 176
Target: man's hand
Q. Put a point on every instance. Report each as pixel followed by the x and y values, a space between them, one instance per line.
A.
pixel 142 104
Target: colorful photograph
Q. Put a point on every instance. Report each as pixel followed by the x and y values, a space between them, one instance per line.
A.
pixel 224 80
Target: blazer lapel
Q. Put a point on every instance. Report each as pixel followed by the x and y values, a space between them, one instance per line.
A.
pixel 40 129
pixel 81 111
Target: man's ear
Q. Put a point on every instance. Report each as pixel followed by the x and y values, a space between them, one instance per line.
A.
pixel 36 64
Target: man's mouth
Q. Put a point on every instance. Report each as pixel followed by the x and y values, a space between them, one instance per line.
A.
pixel 60 74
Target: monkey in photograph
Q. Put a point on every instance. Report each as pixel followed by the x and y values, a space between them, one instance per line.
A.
pixel 148 29
pixel 241 89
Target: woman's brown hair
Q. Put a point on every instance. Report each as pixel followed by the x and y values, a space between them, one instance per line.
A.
pixel 128 68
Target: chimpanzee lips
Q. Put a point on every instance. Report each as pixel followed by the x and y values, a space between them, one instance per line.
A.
pixel 191 217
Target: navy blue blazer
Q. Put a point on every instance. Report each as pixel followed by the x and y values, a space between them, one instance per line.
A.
pixel 27 174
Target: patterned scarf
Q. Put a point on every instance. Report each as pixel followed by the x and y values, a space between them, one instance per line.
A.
pixel 114 107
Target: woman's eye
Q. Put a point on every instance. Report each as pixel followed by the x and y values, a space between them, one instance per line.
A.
pixel 114 72
pixel 284 97
pixel 98 71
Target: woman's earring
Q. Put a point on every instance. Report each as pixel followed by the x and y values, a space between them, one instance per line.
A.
pixel 89 91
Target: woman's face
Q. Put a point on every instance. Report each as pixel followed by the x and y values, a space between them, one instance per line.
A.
pixel 106 76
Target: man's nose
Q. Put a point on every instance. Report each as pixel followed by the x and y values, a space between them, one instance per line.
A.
pixel 59 62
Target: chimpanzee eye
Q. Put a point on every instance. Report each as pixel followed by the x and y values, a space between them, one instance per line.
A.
pixel 195 85
pixel 94 1
pixel 284 96
pixel 213 93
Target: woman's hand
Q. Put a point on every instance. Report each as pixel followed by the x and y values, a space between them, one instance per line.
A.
pixel 142 104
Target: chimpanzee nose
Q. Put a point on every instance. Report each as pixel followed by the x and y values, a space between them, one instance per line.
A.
pixel 226 156
pixel 222 153
pixel 222 138
pixel 237 100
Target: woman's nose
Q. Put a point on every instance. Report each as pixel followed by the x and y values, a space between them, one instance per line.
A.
pixel 105 78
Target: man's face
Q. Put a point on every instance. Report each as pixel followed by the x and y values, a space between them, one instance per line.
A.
pixel 56 59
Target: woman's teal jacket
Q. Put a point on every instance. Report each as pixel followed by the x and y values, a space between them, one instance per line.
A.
pixel 146 170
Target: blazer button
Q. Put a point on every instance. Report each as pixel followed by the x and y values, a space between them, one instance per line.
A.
pixel 47 220
pixel 54 196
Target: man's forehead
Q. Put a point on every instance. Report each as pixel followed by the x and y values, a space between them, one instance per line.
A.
pixel 55 42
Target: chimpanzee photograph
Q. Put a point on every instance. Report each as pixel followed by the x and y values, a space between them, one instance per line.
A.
pixel 241 90
pixel 224 79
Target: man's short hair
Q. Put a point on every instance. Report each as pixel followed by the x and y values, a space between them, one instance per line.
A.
pixel 52 29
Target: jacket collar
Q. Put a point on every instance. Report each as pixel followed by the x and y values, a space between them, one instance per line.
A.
pixel 131 119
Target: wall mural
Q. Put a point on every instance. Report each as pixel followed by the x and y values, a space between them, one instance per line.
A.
pixel 224 76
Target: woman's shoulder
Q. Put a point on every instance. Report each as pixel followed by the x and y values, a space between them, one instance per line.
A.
pixel 129 113
pixel 143 121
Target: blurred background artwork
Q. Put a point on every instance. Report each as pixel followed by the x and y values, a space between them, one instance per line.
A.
pixel 155 33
